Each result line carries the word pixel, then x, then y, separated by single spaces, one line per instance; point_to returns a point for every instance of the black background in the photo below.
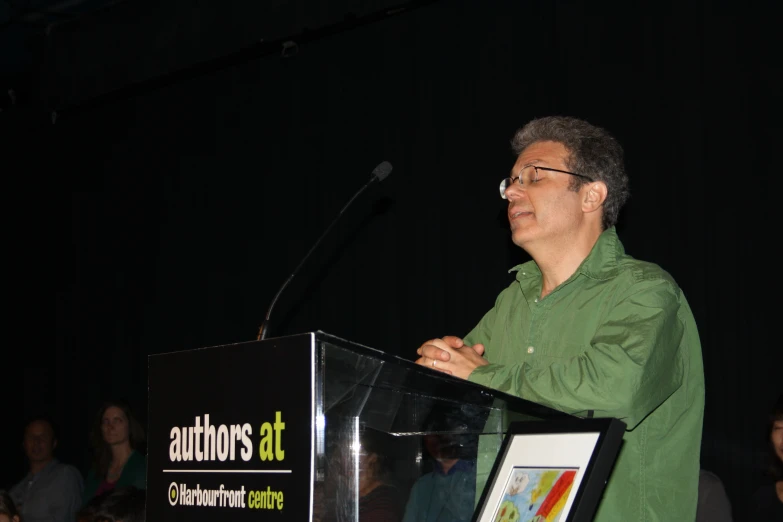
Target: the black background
pixel 165 216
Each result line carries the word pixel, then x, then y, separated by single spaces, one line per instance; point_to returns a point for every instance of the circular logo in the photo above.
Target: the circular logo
pixel 173 494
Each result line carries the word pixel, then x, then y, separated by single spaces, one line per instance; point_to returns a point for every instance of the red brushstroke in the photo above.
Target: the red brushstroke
pixel 557 491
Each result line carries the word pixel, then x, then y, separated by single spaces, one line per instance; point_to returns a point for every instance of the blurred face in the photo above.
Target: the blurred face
pixel 543 206
pixel 114 426
pixel 777 438
pixel 432 444
pixel 441 446
pixel 39 442
pixel 367 472
pixel 6 518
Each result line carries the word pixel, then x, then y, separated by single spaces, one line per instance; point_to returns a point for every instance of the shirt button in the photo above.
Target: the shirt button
pixel 535 300
pixel 530 349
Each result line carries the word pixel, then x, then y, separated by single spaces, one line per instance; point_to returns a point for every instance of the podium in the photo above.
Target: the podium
pixel 298 428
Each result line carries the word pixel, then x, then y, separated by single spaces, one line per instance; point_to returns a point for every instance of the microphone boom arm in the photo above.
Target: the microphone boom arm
pixel 379 173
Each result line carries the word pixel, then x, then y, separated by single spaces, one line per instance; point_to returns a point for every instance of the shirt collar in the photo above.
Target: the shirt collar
pixel 460 465
pixel 44 471
pixel 601 263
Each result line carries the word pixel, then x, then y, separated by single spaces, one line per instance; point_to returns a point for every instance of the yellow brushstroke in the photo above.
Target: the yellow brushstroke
pixel 559 505
pixel 544 485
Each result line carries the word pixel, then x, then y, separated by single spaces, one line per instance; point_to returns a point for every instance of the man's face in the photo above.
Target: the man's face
pixel 777 438
pixel 114 425
pixel 542 207
pixel 441 446
pixel 39 442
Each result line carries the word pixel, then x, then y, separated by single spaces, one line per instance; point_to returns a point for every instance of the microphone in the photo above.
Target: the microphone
pixel 379 173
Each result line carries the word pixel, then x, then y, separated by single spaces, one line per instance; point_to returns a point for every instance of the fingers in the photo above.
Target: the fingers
pixel 440 349
pixel 454 341
pixel 450 355
pixel 436 349
pixel 433 352
pixel 433 363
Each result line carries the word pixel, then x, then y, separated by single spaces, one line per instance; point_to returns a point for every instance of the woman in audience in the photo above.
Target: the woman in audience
pixel 768 500
pixel 379 499
pixel 117 439
pixel 8 512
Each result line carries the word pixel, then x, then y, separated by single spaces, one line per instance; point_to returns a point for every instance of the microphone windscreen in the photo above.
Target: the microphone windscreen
pixel 382 170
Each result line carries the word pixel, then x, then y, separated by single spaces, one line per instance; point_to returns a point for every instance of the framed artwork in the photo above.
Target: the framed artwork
pixel 551 471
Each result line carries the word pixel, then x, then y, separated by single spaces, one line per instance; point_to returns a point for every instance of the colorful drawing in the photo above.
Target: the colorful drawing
pixel 535 494
pixel 508 512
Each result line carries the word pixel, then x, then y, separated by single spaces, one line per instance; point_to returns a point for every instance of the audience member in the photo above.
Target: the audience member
pixel 713 505
pixel 117 438
pixel 51 490
pixel 446 493
pixel 121 504
pixel 379 499
pixel 767 503
pixel 8 512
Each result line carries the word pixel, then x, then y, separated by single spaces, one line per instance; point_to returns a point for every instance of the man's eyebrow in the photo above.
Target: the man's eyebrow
pixel 533 163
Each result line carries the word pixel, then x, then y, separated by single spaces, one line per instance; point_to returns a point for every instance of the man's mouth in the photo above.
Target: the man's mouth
pixel 518 213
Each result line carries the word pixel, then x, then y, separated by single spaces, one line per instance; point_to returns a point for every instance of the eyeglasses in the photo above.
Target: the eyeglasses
pixel 529 175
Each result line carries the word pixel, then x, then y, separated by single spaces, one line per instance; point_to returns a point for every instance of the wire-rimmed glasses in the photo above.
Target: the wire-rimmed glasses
pixel 529 174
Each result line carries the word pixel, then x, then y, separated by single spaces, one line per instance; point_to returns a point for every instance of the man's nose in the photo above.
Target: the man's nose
pixel 515 191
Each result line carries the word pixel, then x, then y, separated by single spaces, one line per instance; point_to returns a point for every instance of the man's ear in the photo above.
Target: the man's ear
pixel 594 196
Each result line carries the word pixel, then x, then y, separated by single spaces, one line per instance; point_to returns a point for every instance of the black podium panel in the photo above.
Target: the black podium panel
pixel 231 432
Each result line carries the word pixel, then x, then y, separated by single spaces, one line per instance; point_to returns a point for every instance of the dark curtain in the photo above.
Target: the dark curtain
pixel 172 214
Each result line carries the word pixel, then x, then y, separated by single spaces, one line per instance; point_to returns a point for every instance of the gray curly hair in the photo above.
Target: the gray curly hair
pixel 592 152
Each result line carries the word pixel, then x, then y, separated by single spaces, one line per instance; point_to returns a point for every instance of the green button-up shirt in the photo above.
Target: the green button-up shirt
pixel 617 339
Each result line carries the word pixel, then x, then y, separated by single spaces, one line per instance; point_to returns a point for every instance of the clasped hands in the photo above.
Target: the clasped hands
pixel 452 356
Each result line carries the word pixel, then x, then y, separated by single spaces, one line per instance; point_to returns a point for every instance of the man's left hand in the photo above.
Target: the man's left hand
pixel 451 355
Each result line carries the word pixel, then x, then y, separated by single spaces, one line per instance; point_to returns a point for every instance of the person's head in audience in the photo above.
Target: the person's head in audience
pixel 114 427
pixel 373 460
pixel 446 440
pixel 8 512
pixel 775 431
pixel 441 445
pixel 39 442
pixel 124 504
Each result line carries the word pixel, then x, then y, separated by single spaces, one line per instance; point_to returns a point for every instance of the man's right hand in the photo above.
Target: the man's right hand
pixel 441 350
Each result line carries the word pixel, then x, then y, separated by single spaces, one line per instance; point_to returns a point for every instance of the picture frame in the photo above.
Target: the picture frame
pixel 551 470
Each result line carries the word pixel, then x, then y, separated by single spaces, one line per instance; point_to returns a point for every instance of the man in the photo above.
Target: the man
pixel 587 329
pixel 445 494
pixel 51 491
pixel 714 504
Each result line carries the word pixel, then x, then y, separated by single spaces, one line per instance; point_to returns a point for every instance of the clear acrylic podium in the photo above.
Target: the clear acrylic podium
pixel 315 427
